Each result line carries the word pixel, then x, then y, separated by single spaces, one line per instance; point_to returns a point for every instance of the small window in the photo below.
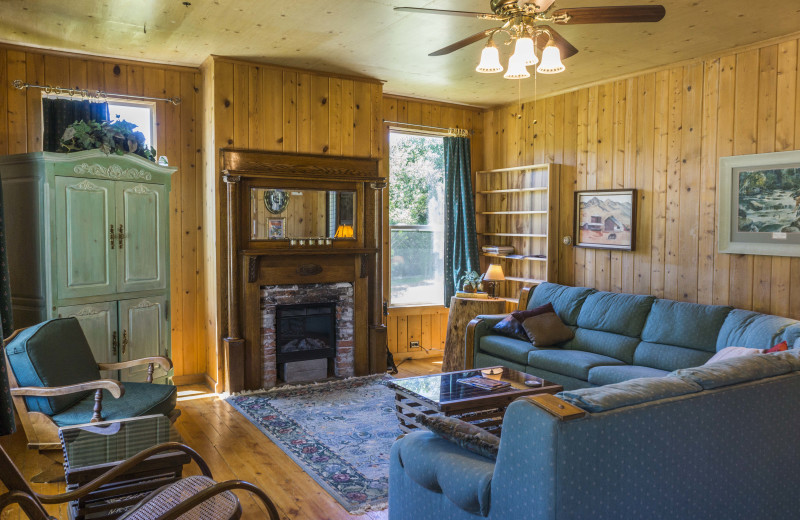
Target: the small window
pixel 143 115
pixel 416 219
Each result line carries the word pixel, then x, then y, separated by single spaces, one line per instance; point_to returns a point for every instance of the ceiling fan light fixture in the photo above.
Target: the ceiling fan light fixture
pixel 516 68
pixel 524 49
pixel 490 60
pixel 551 60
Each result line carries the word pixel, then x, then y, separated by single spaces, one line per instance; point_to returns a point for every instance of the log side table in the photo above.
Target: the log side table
pixel 462 311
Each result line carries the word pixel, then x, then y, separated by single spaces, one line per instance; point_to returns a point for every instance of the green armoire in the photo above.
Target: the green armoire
pixel 88 236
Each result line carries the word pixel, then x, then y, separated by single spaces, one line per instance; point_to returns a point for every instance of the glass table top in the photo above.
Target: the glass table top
pixel 88 445
pixel 445 388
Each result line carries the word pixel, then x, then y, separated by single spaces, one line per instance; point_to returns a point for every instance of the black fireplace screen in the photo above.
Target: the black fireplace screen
pixel 305 331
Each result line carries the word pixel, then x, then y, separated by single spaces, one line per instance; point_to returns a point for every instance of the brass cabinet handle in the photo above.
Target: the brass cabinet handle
pixel 111 235
pixel 114 342
pixel 124 341
pixel 121 235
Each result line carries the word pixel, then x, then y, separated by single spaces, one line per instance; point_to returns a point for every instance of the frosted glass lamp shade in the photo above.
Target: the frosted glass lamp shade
pixel 494 273
pixel 551 60
pixel 524 49
pixel 516 68
pixel 490 60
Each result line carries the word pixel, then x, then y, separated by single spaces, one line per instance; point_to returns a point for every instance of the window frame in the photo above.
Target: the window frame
pixel 152 105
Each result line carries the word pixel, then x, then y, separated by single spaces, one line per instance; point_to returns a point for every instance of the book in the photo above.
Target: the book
pixel 485 383
pixel 476 295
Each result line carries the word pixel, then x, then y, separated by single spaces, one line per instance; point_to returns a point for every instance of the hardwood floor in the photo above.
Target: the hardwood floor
pixel 234 449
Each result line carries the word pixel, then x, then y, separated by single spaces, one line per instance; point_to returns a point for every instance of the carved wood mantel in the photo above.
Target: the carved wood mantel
pixel 251 263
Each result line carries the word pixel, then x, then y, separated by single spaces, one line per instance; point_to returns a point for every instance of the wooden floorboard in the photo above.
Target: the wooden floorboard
pixel 233 448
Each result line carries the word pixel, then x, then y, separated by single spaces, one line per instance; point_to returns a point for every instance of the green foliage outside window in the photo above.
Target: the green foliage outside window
pixel 417 166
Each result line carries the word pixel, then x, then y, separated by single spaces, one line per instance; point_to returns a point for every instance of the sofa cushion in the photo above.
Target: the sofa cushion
pixel 609 375
pixel 442 467
pixel 614 312
pixel 567 301
pixel 735 370
pixel 733 352
pixel 463 434
pixel 573 363
pixel 689 325
pixel 139 399
pixel 791 356
pixel 668 357
pixel 546 330
pixel 627 393
pixel 752 329
pixel 604 343
pixel 53 353
pixel 507 348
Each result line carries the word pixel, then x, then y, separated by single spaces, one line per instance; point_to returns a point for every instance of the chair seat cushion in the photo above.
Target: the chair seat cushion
pixel 573 363
pixel 507 348
pixel 221 506
pixel 139 399
pixel 608 375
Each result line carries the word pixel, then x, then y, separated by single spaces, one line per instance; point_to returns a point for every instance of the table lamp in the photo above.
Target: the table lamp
pixel 494 274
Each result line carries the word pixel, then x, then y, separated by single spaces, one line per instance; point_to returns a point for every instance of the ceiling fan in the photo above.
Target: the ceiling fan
pixel 525 22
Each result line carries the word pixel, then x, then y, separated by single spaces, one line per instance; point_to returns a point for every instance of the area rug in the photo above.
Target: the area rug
pixel 339 432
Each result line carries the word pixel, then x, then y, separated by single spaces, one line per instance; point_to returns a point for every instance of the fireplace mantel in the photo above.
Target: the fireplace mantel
pixel 252 264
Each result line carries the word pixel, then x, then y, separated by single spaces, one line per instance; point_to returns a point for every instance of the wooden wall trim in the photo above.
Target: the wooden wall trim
pixel 272 66
pixel 443 104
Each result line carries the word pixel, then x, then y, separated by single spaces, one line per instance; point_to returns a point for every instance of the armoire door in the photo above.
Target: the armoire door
pixel 142 250
pixel 84 220
pixel 143 330
pixel 99 324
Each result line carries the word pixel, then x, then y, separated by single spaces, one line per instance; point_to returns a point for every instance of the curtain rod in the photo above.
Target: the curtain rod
pixel 84 93
pixel 454 132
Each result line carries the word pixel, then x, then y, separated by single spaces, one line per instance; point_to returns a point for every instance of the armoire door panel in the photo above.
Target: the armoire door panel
pixel 84 219
pixel 141 209
pixel 143 333
pixel 99 324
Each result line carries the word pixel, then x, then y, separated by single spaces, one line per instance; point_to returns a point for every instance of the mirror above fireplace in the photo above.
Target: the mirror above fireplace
pixel 286 213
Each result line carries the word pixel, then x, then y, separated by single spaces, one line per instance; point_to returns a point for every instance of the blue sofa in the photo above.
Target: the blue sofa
pixel 624 336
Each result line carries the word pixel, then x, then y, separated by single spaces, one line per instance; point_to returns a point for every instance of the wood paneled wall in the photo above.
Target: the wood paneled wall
pixel 264 107
pixel 663 133
pixel 427 324
pixel 177 135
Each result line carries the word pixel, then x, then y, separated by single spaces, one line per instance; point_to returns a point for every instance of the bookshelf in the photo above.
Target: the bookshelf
pixel 518 207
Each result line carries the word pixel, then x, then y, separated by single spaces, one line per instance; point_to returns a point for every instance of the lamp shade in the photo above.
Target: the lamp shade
pixel 516 68
pixel 524 49
pixel 344 231
pixel 494 273
pixel 490 60
pixel 551 60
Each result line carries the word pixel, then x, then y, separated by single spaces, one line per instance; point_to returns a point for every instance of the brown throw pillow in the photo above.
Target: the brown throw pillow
pixel 511 325
pixel 546 330
pixel 463 434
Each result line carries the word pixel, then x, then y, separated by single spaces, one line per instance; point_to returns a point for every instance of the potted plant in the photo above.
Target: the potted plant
pixel 118 138
pixel 470 281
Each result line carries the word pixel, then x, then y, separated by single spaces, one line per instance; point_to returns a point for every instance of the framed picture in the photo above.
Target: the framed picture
pixel 605 219
pixel 759 204
pixel 276 201
pixel 275 227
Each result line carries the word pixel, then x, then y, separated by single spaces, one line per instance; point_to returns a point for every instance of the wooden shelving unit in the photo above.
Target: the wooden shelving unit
pixel 515 207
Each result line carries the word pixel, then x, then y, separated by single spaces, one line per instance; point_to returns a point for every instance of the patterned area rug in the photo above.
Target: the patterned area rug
pixel 339 432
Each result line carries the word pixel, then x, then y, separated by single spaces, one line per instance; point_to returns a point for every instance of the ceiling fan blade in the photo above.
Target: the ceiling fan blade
pixel 612 14
pixel 471 14
pixel 566 48
pixel 461 43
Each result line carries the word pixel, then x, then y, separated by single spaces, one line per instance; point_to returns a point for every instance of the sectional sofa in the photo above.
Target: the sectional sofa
pixel 623 336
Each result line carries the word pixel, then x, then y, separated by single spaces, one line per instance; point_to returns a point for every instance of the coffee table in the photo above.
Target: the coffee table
pixel 92 449
pixel 442 393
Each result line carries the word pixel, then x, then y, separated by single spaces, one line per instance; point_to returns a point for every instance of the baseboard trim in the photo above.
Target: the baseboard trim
pixel 189 379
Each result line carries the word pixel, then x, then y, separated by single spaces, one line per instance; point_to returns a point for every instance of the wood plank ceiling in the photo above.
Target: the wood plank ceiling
pixel 369 38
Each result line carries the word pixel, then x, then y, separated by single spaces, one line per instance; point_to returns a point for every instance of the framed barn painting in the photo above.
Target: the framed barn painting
pixel 605 219
pixel 759 204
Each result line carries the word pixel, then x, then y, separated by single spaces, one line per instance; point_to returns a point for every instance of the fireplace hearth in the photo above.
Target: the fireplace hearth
pixel 305 331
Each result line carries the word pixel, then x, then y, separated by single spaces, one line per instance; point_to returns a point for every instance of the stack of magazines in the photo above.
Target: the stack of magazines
pixel 485 383
pixel 498 250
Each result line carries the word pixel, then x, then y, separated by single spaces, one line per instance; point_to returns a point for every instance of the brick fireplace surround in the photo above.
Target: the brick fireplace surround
pixel 340 293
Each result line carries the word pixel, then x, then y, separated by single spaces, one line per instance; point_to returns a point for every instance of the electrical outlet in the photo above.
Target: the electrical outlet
pixel 414 344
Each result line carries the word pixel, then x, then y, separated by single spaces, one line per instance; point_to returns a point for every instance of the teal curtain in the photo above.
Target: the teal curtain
pixel 58 114
pixel 461 242
pixel 6 408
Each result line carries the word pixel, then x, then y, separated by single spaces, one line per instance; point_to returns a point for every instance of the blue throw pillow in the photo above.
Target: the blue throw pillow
pixel 511 325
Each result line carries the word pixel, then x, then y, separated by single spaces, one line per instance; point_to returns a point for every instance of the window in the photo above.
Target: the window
pixel 416 219
pixel 143 115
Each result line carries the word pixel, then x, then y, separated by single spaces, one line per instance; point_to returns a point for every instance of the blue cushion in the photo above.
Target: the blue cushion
pixel 668 357
pixel 605 343
pixel 735 370
pixel 684 324
pixel 52 353
pixel 790 335
pixel 566 301
pixel 569 383
pixel 573 363
pixel 440 466
pixel 627 393
pixel 614 312
pixel 754 330
pixel 507 348
pixel 139 399
pixel 616 374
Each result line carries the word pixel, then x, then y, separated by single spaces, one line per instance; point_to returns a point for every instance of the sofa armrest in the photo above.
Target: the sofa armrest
pixel 477 328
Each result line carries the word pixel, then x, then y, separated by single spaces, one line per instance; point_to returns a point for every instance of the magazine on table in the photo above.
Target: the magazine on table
pixel 485 383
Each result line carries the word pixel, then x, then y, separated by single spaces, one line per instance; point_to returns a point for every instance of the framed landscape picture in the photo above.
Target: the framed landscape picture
pixel 275 227
pixel 605 219
pixel 759 204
